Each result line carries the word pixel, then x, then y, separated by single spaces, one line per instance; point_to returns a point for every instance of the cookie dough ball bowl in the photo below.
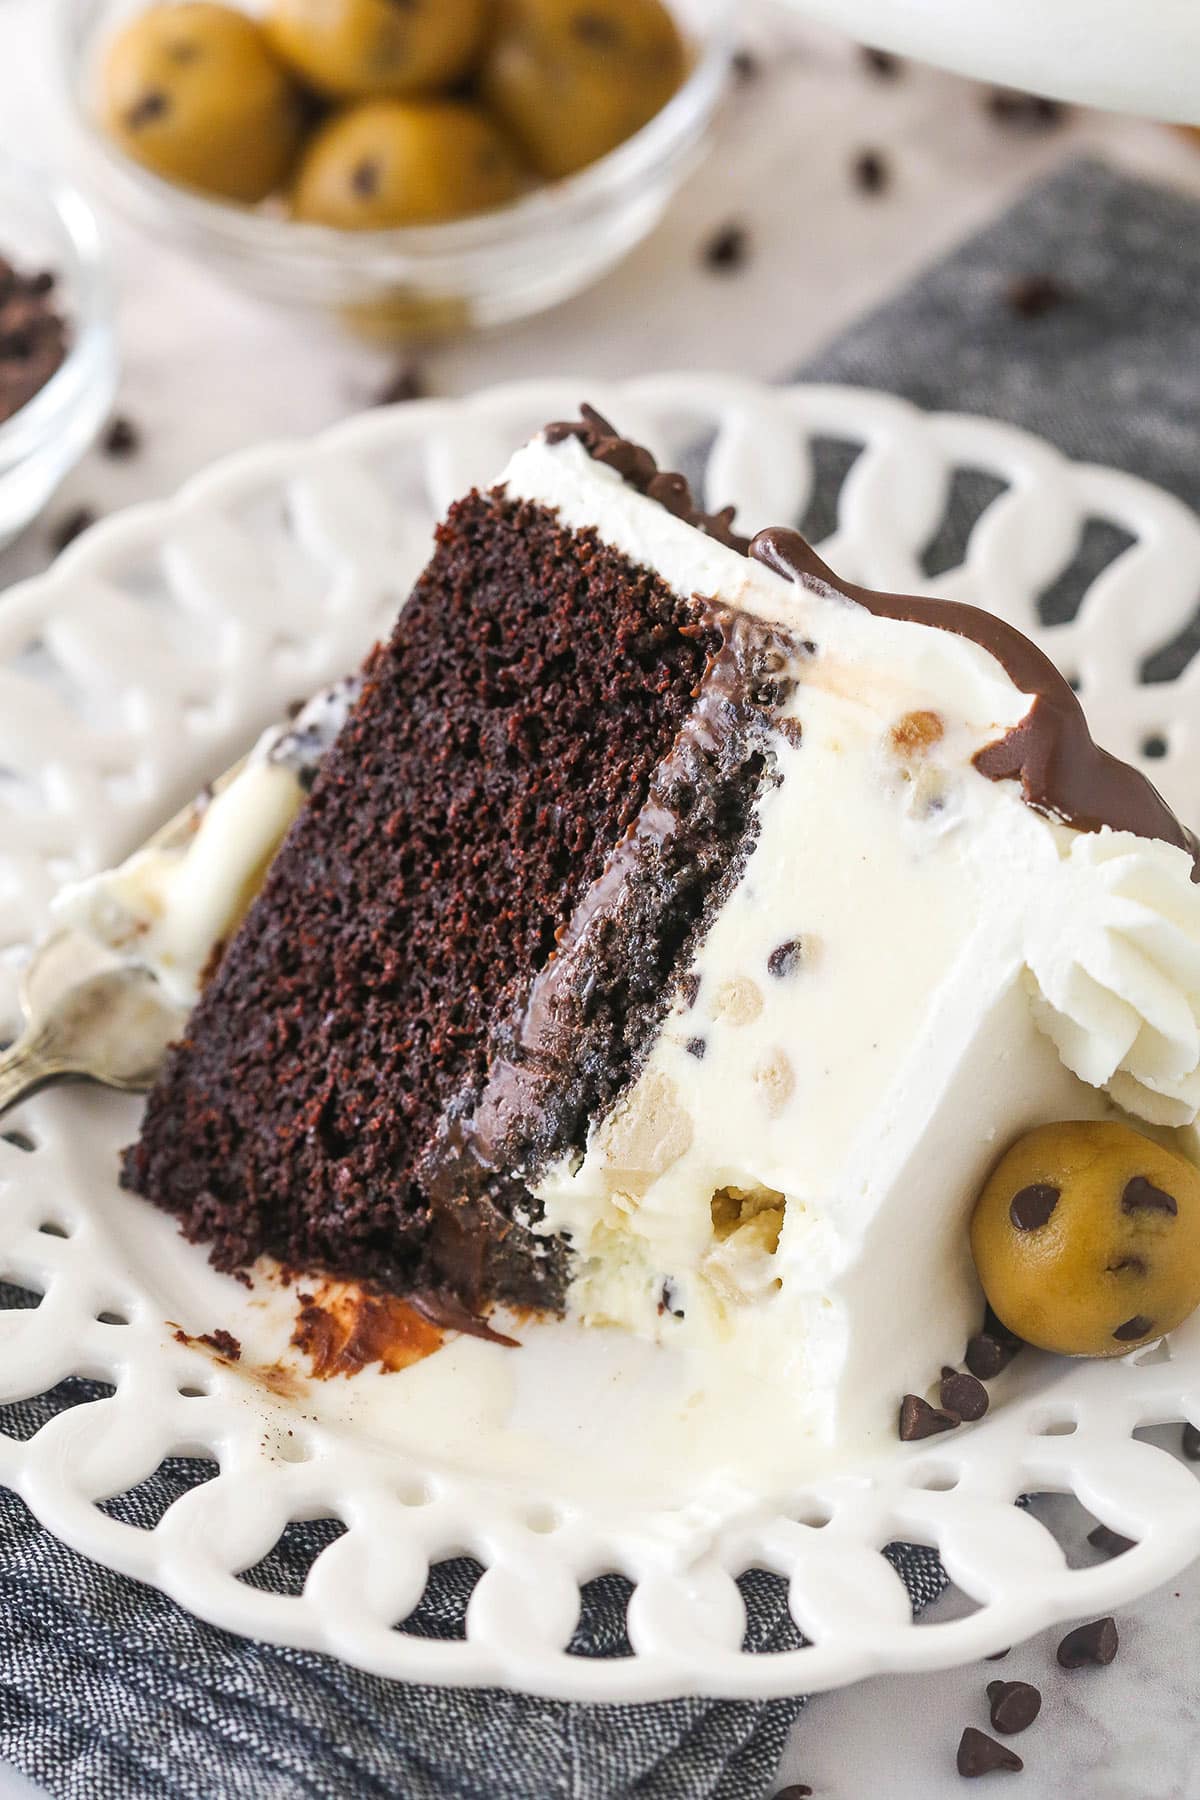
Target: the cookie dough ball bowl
pixel 415 278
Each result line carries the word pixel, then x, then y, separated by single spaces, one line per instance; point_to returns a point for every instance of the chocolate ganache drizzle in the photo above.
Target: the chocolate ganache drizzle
pixel 1062 770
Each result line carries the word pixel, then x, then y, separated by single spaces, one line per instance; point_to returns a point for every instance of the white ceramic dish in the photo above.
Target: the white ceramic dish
pixel 151 655
pixel 1140 57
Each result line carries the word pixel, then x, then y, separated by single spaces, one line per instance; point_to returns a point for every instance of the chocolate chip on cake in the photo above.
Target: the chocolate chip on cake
pixel 1014 1705
pixel 1141 1195
pixel 1091 1646
pixel 979 1754
pixel 1031 1208
pixel 727 249
pixel 962 1394
pixel 920 1420
pixel 786 958
pixel 1110 1542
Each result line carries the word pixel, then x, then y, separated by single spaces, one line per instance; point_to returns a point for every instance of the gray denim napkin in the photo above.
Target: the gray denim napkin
pixel 107 1690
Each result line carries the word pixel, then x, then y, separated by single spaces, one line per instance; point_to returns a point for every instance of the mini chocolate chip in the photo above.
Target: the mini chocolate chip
pixel 1142 1196
pixel 1032 1207
pixel 745 65
pixel 920 1420
pixel 979 1754
pixel 1137 1327
pixel 1089 1646
pixel 154 104
pixel 1128 1265
pixel 1110 1542
pixel 406 384
pixel 696 1047
pixel 364 178
pixel 71 526
pixel 1015 1705
pixel 871 172
pixel 1032 296
pixel 963 1394
pixel 786 958
pixel 1191 1443
pixel 987 1355
pixel 880 62
pixel 121 439
pixel 727 248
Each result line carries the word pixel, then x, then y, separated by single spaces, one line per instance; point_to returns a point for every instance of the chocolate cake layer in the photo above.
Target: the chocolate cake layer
pixel 505 744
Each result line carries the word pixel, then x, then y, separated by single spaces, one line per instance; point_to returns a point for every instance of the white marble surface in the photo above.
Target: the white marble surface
pixel 208 371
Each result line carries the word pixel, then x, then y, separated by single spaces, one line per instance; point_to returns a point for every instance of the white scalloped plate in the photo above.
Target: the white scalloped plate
pixel 145 662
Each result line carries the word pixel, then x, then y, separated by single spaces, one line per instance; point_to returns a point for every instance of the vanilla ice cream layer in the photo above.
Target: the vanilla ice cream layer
pixel 913 968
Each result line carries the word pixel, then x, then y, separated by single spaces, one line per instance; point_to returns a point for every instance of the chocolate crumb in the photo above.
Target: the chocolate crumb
pixel 871 172
pixel 1033 296
pixel 1111 1542
pixel 745 65
pixel 223 1342
pixel 696 1047
pixel 689 988
pixel 1142 1196
pixel 71 526
pixel 1191 1443
pixel 1029 112
pixel 406 384
pixel 122 438
pixel 963 1394
pixel 1033 1205
pixel 979 1754
pixel 786 958
pixel 1090 1646
pixel 920 1420
pixel 727 249
pixel 880 62
pixel 1015 1705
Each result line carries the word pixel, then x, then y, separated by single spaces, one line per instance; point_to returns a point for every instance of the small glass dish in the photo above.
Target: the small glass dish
pixel 426 280
pixel 45 224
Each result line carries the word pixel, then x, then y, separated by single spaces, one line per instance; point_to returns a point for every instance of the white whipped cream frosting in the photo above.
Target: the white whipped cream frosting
pixel 788 1182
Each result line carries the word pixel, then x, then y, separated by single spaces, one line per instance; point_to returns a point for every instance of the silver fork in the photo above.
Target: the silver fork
pixel 89 1017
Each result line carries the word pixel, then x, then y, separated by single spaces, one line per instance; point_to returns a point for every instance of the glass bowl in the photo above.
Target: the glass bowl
pixel 45 224
pixel 480 271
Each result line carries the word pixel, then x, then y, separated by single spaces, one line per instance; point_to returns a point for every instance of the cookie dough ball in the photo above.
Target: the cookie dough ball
pixel 405 162
pixel 572 79
pixel 1087 1238
pixel 193 92
pixel 353 49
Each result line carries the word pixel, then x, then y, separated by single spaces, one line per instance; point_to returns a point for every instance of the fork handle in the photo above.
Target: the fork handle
pixel 24 1068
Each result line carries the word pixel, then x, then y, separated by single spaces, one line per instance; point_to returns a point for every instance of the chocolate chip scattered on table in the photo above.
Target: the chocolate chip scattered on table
pixel 979 1754
pixel 1014 1705
pixel 1091 1646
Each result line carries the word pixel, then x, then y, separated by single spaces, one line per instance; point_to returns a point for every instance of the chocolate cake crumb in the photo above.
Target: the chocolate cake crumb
pixel 122 438
pixel 1190 1444
pixel 979 1754
pixel 964 1395
pixel 920 1420
pixel 1110 1542
pixel 1014 1705
pixel 689 989
pixel 223 1342
pixel 1032 296
pixel 71 526
pixel 871 171
pixel 728 248
pixel 1090 1646
pixel 696 1047
pixel 786 958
